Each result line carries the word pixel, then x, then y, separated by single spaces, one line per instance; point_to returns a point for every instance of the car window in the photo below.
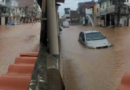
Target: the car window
pixel 82 35
pixel 94 36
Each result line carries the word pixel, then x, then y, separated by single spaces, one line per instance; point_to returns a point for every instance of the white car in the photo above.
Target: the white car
pixel 65 24
pixel 93 39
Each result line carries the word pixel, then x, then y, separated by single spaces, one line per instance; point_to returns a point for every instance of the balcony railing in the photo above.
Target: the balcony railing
pixel 112 9
pixel 108 10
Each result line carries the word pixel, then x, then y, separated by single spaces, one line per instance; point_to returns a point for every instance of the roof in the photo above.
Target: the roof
pixel 90 31
pixel 62 1
pixel 86 4
pixel 90 2
pixel 66 8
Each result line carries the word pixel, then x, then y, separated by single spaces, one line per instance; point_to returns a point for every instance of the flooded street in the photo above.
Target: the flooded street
pixel 122 52
pixel 15 40
pixel 87 69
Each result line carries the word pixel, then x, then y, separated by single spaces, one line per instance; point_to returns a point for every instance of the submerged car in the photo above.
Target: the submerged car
pixel 93 39
pixel 10 24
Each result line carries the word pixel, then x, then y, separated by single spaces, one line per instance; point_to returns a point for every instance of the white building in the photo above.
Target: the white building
pixel 89 11
pixel 67 14
pixel 2 2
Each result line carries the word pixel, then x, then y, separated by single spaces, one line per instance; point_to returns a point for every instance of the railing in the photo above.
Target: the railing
pixel 109 9
pixel 124 11
pixel 112 9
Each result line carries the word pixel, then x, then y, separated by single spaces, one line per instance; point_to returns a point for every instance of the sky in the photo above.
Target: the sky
pixel 72 4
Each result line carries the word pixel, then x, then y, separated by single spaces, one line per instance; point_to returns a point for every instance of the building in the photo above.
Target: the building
pixel 73 17
pixel 4 12
pixel 2 2
pixel 122 12
pixel 85 12
pixel 95 12
pixel 28 8
pixel 14 11
pixel 112 13
pixel 67 14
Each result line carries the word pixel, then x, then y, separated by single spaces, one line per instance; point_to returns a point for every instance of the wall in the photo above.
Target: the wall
pixel 96 21
pixel 97 6
pixel 89 11
pixel 122 20
pixel 105 4
pixel 102 23
pixel 3 2
pixel 2 20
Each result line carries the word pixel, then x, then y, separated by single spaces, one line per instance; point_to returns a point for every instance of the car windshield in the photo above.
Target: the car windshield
pixel 94 36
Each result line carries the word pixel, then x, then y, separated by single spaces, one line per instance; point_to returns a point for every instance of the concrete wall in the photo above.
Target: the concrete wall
pixel 129 22
pixel 123 20
pixel 2 20
pixel 102 23
pixel 89 11
pixel 105 4
pixel 96 9
pixel 96 21
pixel 3 2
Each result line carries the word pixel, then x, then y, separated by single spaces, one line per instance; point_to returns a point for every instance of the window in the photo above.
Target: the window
pixel 94 36
pixel 66 11
pixel 82 35
pixel 67 17
pixel 113 2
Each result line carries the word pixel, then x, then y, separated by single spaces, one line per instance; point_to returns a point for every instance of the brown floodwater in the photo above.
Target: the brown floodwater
pixel 87 69
pixel 15 40
pixel 122 52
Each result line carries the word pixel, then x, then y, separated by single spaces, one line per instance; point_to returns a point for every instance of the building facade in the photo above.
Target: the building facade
pixel 73 17
pixel 67 14
pixel 112 13
pixel 85 12
pixel 4 12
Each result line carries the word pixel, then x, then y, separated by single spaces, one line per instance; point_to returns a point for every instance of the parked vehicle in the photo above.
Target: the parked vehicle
pixel 93 39
pixel 10 24
pixel 66 24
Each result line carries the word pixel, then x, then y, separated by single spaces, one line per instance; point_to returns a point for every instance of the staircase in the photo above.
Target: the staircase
pixel 90 19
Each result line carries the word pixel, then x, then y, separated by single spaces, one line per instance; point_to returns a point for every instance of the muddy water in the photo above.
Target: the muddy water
pixel 122 52
pixel 87 69
pixel 15 40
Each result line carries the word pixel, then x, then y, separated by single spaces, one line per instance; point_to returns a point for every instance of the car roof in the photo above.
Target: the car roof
pixel 90 31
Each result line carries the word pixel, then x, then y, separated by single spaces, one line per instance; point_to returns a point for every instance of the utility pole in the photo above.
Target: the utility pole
pixel 119 12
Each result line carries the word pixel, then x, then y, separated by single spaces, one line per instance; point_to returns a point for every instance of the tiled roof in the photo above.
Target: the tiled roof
pixel 19 74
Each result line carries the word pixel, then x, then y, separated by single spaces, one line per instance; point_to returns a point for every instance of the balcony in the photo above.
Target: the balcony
pixel 108 10
pixel 99 1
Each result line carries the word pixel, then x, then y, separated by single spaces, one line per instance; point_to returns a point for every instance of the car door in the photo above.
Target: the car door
pixel 80 37
pixel 83 38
